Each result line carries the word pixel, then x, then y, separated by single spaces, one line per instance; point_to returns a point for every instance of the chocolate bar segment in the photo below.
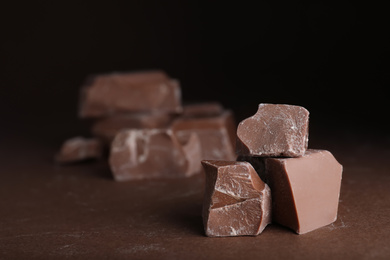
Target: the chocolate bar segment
pixel 110 94
pixel 236 202
pixel 216 134
pixel 275 130
pixel 79 149
pixel 150 153
pixel 305 190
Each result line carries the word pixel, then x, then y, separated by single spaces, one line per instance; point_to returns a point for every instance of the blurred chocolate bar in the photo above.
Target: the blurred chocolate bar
pixel 139 117
pixel 148 91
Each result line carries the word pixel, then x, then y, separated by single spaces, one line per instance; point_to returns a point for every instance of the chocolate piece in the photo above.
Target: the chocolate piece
pixel 275 130
pixel 305 190
pixel 107 128
pixel 106 95
pixel 202 110
pixel 79 149
pixel 216 134
pixel 236 202
pixel 149 153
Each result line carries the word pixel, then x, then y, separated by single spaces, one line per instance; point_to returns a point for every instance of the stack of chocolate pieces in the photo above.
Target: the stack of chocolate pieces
pixel 275 179
pixel 139 116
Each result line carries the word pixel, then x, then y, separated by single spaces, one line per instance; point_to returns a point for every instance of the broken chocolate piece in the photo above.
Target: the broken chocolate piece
pixel 202 110
pixel 216 134
pixel 79 149
pixel 107 128
pixel 237 202
pixel 305 190
pixel 106 95
pixel 275 130
pixel 149 153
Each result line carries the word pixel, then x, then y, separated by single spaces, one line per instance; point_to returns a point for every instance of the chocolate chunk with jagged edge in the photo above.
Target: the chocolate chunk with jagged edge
pixel 115 93
pixel 305 190
pixel 79 149
pixel 236 202
pixel 275 130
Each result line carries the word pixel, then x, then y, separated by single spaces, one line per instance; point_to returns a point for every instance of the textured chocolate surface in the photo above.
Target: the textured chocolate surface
pixel 79 149
pixel 236 201
pixel 106 95
pixel 305 190
pixel 275 130
pixel 149 153
pixel 216 134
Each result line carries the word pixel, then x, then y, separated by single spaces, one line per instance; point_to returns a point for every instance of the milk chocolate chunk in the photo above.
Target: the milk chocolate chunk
pixel 236 202
pixel 305 190
pixel 106 95
pixel 147 154
pixel 216 134
pixel 79 149
pixel 107 128
pixel 275 130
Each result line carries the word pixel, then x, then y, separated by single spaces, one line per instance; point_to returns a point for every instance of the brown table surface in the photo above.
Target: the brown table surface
pixel 78 211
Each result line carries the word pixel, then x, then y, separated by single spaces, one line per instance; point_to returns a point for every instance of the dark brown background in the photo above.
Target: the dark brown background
pixel 332 59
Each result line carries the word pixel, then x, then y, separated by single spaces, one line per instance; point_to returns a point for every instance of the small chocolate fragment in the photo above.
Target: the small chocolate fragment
pixel 236 202
pixel 305 190
pixel 110 94
pixel 216 134
pixel 107 128
pixel 79 149
pixel 202 110
pixel 275 130
pixel 149 153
